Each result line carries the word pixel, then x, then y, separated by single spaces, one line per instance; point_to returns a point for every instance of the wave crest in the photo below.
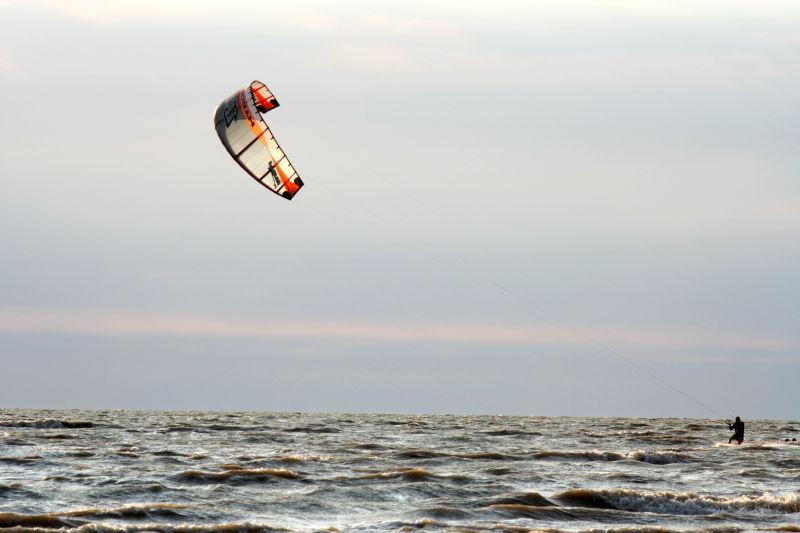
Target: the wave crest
pixel 677 503
pixel 652 457
pixel 235 473
pixel 46 423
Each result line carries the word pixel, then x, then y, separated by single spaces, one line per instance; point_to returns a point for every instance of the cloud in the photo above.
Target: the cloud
pixel 104 323
pixel 125 323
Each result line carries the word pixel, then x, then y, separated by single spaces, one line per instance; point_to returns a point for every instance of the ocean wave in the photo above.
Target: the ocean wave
pixel 665 457
pixel 28 459
pixel 786 463
pixel 9 487
pixel 81 453
pixel 415 453
pixel 245 459
pixel 592 455
pixel 652 529
pixel 427 524
pixel 442 513
pixel 502 471
pixel 16 489
pixel 182 428
pixel 652 457
pixel 47 523
pixel 368 446
pixel 412 423
pixel 126 453
pixel 46 423
pixel 234 427
pixel 312 430
pixel 302 458
pixel 510 432
pixel 167 453
pixel 555 513
pixel 58 436
pixel 137 510
pixel 637 424
pixel 523 498
pixel 491 456
pixel 758 446
pixel 752 445
pixel 406 474
pixel 234 473
pixel 677 503
pixel 628 477
pixel 18 442
pixel 756 473
pixel 530 511
pixel 673 439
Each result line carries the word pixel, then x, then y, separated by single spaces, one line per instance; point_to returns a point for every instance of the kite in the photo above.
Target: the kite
pixel 244 133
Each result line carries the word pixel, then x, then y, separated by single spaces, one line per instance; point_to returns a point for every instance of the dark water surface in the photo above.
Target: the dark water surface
pixel 207 471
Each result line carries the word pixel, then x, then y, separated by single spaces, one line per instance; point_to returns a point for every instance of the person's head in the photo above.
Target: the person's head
pixel 738 419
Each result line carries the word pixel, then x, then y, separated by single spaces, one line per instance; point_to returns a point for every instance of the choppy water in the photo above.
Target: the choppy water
pixel 204 471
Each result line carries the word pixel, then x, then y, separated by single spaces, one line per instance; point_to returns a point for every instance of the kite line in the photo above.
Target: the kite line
pixel 566 325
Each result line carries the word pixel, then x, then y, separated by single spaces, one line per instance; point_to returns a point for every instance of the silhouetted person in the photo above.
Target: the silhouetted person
pixel 738 431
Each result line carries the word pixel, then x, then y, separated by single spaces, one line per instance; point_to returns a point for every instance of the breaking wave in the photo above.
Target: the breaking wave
pixel 408 474
pixel 676 503
pixel 656 458
pixel 204 472
pixel 140 510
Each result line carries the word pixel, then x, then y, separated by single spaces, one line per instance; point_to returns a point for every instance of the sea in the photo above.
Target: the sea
pixel 301 472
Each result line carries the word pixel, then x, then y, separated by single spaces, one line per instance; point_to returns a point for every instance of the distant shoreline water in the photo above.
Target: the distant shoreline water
pixel 228 471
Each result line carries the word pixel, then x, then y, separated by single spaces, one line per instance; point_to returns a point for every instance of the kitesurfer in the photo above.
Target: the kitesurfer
pixel 738 431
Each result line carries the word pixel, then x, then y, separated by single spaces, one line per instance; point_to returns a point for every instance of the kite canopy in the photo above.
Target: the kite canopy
pixel 243 132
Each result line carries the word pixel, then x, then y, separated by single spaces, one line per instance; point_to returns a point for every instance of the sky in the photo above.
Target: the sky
pixel 524 208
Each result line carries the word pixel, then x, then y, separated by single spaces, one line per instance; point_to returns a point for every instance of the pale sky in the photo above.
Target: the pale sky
pixel 629 168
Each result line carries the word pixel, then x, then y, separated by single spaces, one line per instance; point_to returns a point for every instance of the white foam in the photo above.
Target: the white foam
pixel 688 503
